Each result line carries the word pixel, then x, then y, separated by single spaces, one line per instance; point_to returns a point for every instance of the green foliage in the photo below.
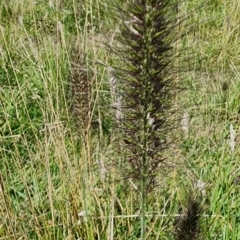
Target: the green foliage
pixel 48 174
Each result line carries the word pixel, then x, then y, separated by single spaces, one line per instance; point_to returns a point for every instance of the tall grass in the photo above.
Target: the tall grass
pixel 52 184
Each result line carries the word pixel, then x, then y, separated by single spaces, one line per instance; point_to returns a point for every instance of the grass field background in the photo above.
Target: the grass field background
pixel 57 181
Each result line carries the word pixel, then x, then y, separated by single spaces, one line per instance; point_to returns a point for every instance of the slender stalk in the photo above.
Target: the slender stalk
pixel 143 208
pixel 146 98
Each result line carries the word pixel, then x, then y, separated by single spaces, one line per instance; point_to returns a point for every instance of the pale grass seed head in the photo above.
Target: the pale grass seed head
pixel 232 138
pixel 185 124
pixel 200 186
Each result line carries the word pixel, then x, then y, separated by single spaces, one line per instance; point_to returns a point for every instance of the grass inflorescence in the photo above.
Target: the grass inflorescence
pixel 145 76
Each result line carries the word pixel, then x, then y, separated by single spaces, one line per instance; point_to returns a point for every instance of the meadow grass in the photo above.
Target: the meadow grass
pixel 56 183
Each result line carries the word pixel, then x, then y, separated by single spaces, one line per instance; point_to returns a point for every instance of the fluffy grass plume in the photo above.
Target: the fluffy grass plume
pixel 146 84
